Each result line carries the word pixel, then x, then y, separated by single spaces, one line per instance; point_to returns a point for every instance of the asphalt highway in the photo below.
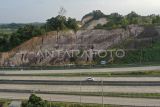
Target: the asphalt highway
pixel 122 69
pixel 108 83
pixel 79 78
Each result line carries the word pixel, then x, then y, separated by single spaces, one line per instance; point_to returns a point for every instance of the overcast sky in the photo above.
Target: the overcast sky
pixel 24 11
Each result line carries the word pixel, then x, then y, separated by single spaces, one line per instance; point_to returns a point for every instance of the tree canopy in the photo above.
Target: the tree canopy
pixel 9 41
pixel 61 23
pixel 35 101
pixel 116 20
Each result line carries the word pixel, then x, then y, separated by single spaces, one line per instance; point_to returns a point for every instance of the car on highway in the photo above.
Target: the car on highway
pixel 90 79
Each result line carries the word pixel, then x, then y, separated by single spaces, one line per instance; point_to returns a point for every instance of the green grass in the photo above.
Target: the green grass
pixel 96 74
pixel 106 94
pixel 4 102
pixel 64 104
pixel 72 104
pixel 114 94
pixel 114 74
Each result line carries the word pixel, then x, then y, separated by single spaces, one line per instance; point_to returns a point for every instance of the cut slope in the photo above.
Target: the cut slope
pixel 84 39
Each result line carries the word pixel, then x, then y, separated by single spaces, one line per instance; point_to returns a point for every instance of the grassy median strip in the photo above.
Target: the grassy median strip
pixel 66 104
pixel 96 74
pixel 106 74
pixel 113 94
pixel 72 104
pixel 105 94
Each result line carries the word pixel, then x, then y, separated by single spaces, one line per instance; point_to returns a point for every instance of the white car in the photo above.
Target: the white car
pixel 90 79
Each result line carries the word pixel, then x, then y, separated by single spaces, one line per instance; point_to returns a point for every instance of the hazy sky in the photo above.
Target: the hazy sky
pixel 23 11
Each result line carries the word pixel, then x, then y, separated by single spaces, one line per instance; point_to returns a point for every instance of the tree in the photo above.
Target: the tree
pixel 28 32
pixel 116 17
pixel 35 101
pixel 57 23
pixel 156 20
pixel 9 41
pixel 60 23
pixel 124 22
pixel 72 24
pixel 97 14
pixel 133 18
pixel 132 15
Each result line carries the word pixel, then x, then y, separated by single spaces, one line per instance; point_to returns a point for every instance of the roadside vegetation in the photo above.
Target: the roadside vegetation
pixel 109 94
pixel 114 74
pixel 35 101
pixel 4 103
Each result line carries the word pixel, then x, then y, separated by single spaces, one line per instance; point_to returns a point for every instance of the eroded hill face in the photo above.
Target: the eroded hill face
pixel 91 24
pixel 91 20
pixel 40 50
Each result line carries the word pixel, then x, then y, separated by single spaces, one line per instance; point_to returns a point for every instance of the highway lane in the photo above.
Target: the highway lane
pixel 75 88
pixel 125 69
pixel 88 99
pixel 79 78
pixel 108 83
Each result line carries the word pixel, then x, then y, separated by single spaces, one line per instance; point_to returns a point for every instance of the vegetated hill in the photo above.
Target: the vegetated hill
pixel 99 20
pixel 33 52
pixel 99 31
